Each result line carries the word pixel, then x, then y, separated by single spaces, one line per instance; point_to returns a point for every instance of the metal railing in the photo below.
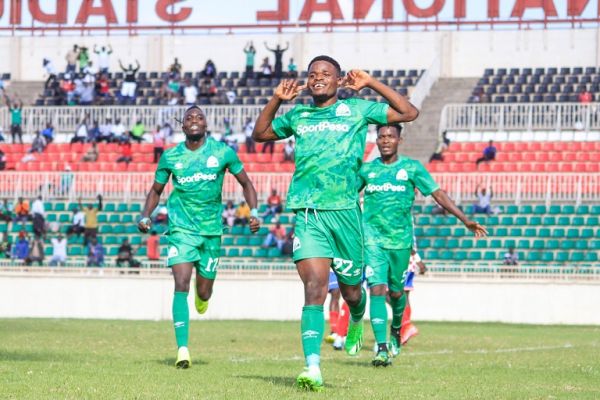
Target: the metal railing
pixel 127 187
pixel 521 117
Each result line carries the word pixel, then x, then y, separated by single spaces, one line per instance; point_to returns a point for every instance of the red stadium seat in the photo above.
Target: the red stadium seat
pixel 263 157
pixel 565 167
pixel 569 156
pixel 592 167
pixel 554 157
pixel 509 147
pixel 534 146
pixel 469 146
pixel 541 156
pixel 550 167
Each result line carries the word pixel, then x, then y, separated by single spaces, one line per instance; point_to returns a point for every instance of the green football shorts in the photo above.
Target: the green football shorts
pixel 202 251
pixel 335 234
pixel 386 267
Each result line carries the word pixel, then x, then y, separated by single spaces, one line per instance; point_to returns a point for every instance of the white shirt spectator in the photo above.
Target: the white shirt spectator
pixel 59 249
pixel 105 129
pixel 485 200
pixel 82 131
pixel 79 218
pixel 248 128
pixel 103 59
pixel 37 207
pixel 190 93
pixel 288 149
pixel 118 130
pixel 49 67
pixel 231 96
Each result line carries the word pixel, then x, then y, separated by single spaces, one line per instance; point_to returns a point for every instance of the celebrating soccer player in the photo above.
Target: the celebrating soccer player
pixel 197 167
pixel 330 142
pixel 389 183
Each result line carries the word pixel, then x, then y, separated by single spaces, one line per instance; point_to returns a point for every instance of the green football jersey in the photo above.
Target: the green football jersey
pixel 195 204
pixel 330 145
pixel 389 197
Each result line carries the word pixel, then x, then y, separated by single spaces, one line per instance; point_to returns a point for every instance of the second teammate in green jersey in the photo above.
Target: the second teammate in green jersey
pixel 330 139
pixel 389 184
pixel 197 168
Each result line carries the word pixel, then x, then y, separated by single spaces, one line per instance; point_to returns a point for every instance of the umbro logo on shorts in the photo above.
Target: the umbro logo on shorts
pixel 296 244
pixel 212 162
pixel 342 111
pixel 369 271
pixel 173 252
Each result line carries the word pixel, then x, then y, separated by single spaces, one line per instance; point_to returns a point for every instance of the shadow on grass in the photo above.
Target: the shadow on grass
pixel 285 381
pixel 32 356
pixel 354 362
pixel 170 362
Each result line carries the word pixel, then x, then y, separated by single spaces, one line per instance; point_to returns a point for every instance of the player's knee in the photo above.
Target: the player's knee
pixel 378 290
pixel 205 293
pixel 315 293
pixel 352 296
pixel 182 286
pixel 396 295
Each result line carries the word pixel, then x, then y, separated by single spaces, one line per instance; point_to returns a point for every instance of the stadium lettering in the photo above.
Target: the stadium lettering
pixel 321 127
pixel 165 15
pixel 386 187
pixel 197 177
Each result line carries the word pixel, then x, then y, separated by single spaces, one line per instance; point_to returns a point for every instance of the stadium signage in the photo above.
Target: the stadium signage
pixel 157 14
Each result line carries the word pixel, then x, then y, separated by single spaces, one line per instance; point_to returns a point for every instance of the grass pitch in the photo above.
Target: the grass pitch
pixel 91 359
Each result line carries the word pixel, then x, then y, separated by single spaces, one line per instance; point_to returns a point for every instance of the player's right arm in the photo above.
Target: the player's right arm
pixel 446 202
pixel 152 200
pixel 287 90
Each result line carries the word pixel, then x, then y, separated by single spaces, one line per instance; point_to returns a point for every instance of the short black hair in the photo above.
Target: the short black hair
pixel 192 107
pixel 329 60
pixel 397 126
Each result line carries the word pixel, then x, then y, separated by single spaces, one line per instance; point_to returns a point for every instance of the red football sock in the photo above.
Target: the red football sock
pixel 405 319
pixel 333 321
pixel 342 325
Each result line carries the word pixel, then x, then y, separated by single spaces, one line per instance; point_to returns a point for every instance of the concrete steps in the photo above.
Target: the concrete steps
pixel 27 91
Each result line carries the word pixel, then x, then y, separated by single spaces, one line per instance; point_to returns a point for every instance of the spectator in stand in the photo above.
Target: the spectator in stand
pixel 288 246
pixel 161 216
pixel 66 179
pixel 124 254
pixel 175 68
pixel 137 131
pixel 586 96
pixel 22 210
pixel 16 118
pixel 250 53
pixel 106 131
pixel 71 57
pixel 77 223
pixel 39 143
pixel 87 95
pixel 441 148
pixel 67 90
pixel 265 69
pixel 5 246
pixel 36 251
pixel 171 90
pixel 2 135
pixel 292 69
pixel 484 200
pixel 92 154
pixel 190 93
pixel 2 161
pixel 20 250
pixel 103 58
pixel 489 153
pixel 48 133
pixel 6 211
pixel 89 73
pixel 268 145
pixel 81 134
pixel 167 132
pixel 95 254
pixel 210 70
pixel 273 205
pixel 242 214
pixel 208 88
pixel 38 213
pixel 119 132
pixel 153 246
pixel 94 134
pixel 511 258
pixel 78 82
pixel 83 57
pixel 129 86
pixel 50 71
pixel 228 214
pixel 288 151
pixel 278 53
pixel 248 128
pixel 103 88
pixel 276 237
pixel 126 153
pixel 59 251
pixel 159 143
pixel 91 220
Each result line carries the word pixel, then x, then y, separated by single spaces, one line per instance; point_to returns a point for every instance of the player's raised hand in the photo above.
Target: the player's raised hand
pixel 254 224
pixel 288 89
pixel 478 229
pixel 357 79
pixel 144 225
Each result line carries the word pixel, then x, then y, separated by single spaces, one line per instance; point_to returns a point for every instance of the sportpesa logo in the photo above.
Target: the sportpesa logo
pixel 386 187
pixel 197 177
pixel 321 127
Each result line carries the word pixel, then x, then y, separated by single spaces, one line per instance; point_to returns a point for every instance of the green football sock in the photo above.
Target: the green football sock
pixel 379 318
pixel 312 327
pixel 358 311
pixel 181 318
pixel 398 306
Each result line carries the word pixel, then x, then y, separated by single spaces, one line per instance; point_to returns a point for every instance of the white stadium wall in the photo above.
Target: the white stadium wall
pixel 435 299
pixel 463 53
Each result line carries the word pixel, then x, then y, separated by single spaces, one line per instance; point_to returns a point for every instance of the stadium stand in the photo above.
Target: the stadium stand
pixel 536 85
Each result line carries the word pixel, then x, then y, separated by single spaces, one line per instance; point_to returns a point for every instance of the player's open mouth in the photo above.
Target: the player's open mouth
pixel 318 86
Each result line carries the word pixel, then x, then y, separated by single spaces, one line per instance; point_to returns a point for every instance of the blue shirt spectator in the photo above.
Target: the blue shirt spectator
pixel 21 248
pixel 489 153
pixel 48 133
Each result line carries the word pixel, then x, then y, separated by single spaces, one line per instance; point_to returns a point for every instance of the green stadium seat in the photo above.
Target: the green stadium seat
pixel 592 221
pixel 431 255
pixel 73 206
pixel 594 244
pixel 490 256
pixel 451 243
pixel 587 233
pixel 122 207
pixel 59 207
pixel 274 252
pixel 118 229
pixel 481 220
pixel 233 252
pixel 135 207
pixel 255 241
pixel 474 255
pixel 262 231
pixel 508 243
pixel 567 244
pixel 127 219
pixel 550 221
pixel 102 218
pixel 113 251
pixel 136 240
pixel 547 256
pixel 431 231
pixel 591 256
pixel 3 228
pixel 506 221
pixel 512 209
pixel 535 220
pixel 50 217
pixel 544 232
pixel 562 256
pixel 64 218
pixel 516 232
pixel 521 221
pixel 558 233
pixel 423 220
pixel 446 255
pixel 501 232
pixel 261 253
pixel 481 244
pixel 526 209
pixel 495 244
pixel 423 243
pixel 437 220
pixel 239 230
pixel 595 209
pixel 459 231
pixel 583 209
pixel 223 252
pixel 247 252
pixel 464 244
pixel 48 251
pixel 563 221
pixel 581 245
pixel 131 229
pixel 577 256
pixel 523 244
pixel 109 207
pixel 539 209
pixel 47 206
pixel 552 244
pixel 227 241
pixel 114 219
pixel 74 251
pixel 439 243
pixel 530 232
pixel 555 209
pixel 533 256
pixel 427 210
pixel 242 241
pixel 417 209
pixel 111 240
pixel 102 229
pixel 538 244
pixel 246 231
pixel 568 209
pixel 445 231
pixel 419 231
pixel 75 240
pixel 577 221
pixel 493 221
pixel 141 252
pixel 572 233
pixel 460 255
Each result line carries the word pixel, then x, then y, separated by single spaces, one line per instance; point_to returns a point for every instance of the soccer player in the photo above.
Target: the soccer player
pixel 408 329
pixel 389 183
pixel 197 167
pixel 330 142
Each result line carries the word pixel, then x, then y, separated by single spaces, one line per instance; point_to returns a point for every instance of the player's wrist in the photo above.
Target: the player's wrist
pixel 254 213
pixel 145 220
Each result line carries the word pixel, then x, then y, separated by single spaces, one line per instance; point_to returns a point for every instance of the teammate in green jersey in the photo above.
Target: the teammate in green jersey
pixel 389 183
pixel 197 167
pixel 330 143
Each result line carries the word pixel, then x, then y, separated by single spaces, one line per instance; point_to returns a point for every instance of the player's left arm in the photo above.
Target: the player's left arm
pixel 251 198
pixel 446 202
pixel 400 109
